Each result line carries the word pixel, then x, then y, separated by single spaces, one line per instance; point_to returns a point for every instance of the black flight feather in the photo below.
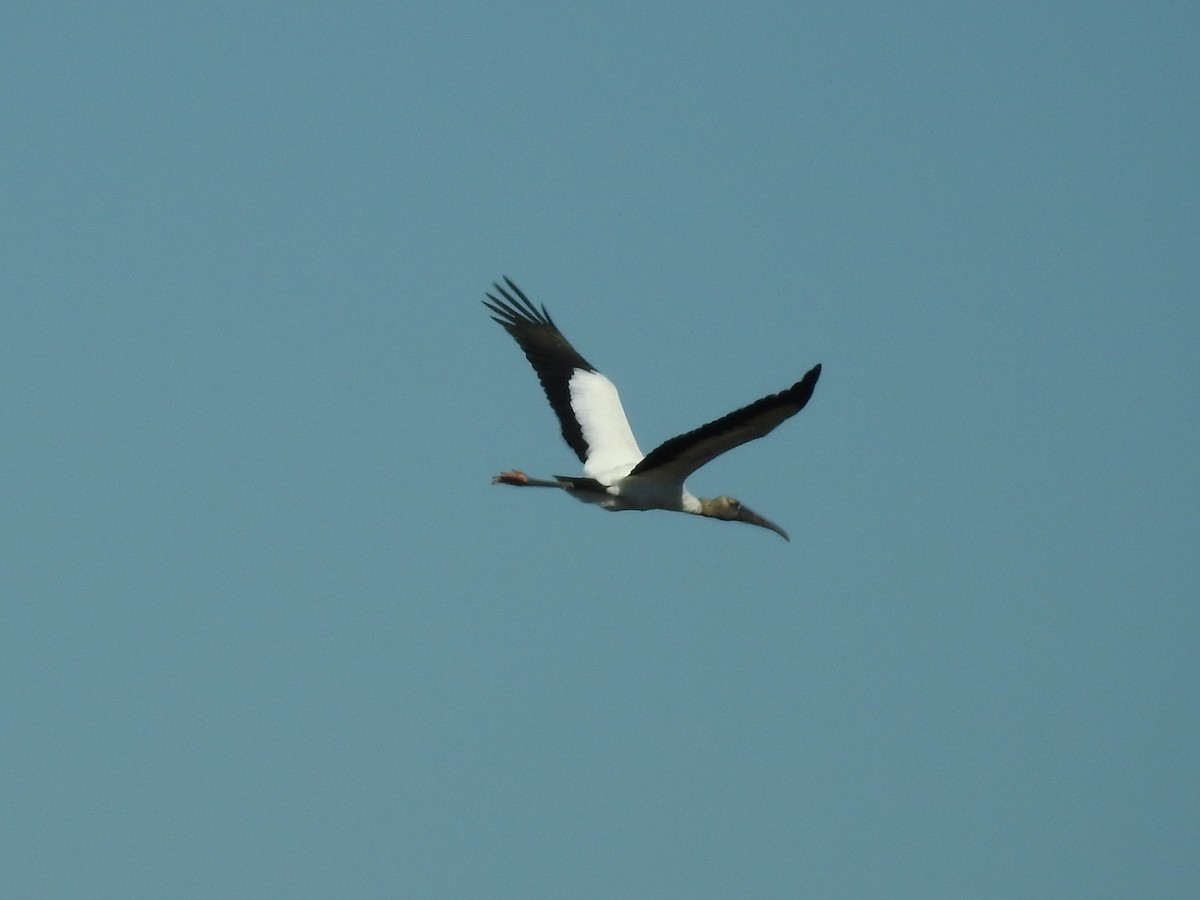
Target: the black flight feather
pixel 550 354
pixel 688 452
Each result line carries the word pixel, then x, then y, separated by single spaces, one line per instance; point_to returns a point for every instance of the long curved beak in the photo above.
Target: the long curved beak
pixel 755 519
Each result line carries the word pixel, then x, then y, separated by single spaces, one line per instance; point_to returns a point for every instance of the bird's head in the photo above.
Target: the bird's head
pixel 732 510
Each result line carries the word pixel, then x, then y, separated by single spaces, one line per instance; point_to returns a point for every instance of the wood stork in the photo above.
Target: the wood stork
pixel 617 475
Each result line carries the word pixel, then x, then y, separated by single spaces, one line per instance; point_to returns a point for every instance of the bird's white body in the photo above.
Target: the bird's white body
pixel 617 475
pixel 613 452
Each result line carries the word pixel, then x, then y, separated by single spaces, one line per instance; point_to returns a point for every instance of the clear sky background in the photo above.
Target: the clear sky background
pixel 268 631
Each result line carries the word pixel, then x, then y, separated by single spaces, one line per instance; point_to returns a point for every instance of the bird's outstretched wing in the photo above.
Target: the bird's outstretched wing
pixel 586 403
pixel 682 455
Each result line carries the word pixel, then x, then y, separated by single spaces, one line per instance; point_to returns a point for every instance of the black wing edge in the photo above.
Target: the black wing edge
pixel 796 396
pixel 513 312
pixel 550 354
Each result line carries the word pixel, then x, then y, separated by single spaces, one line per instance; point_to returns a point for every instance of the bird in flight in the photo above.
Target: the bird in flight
pixel 616 474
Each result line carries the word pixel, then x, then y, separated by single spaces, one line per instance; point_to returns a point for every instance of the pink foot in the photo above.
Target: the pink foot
pixel 513 477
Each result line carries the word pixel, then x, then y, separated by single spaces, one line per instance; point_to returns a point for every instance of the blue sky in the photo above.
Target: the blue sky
pixel 267 629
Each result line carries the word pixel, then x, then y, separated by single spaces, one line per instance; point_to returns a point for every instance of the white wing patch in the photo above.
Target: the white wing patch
pixel 612 448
